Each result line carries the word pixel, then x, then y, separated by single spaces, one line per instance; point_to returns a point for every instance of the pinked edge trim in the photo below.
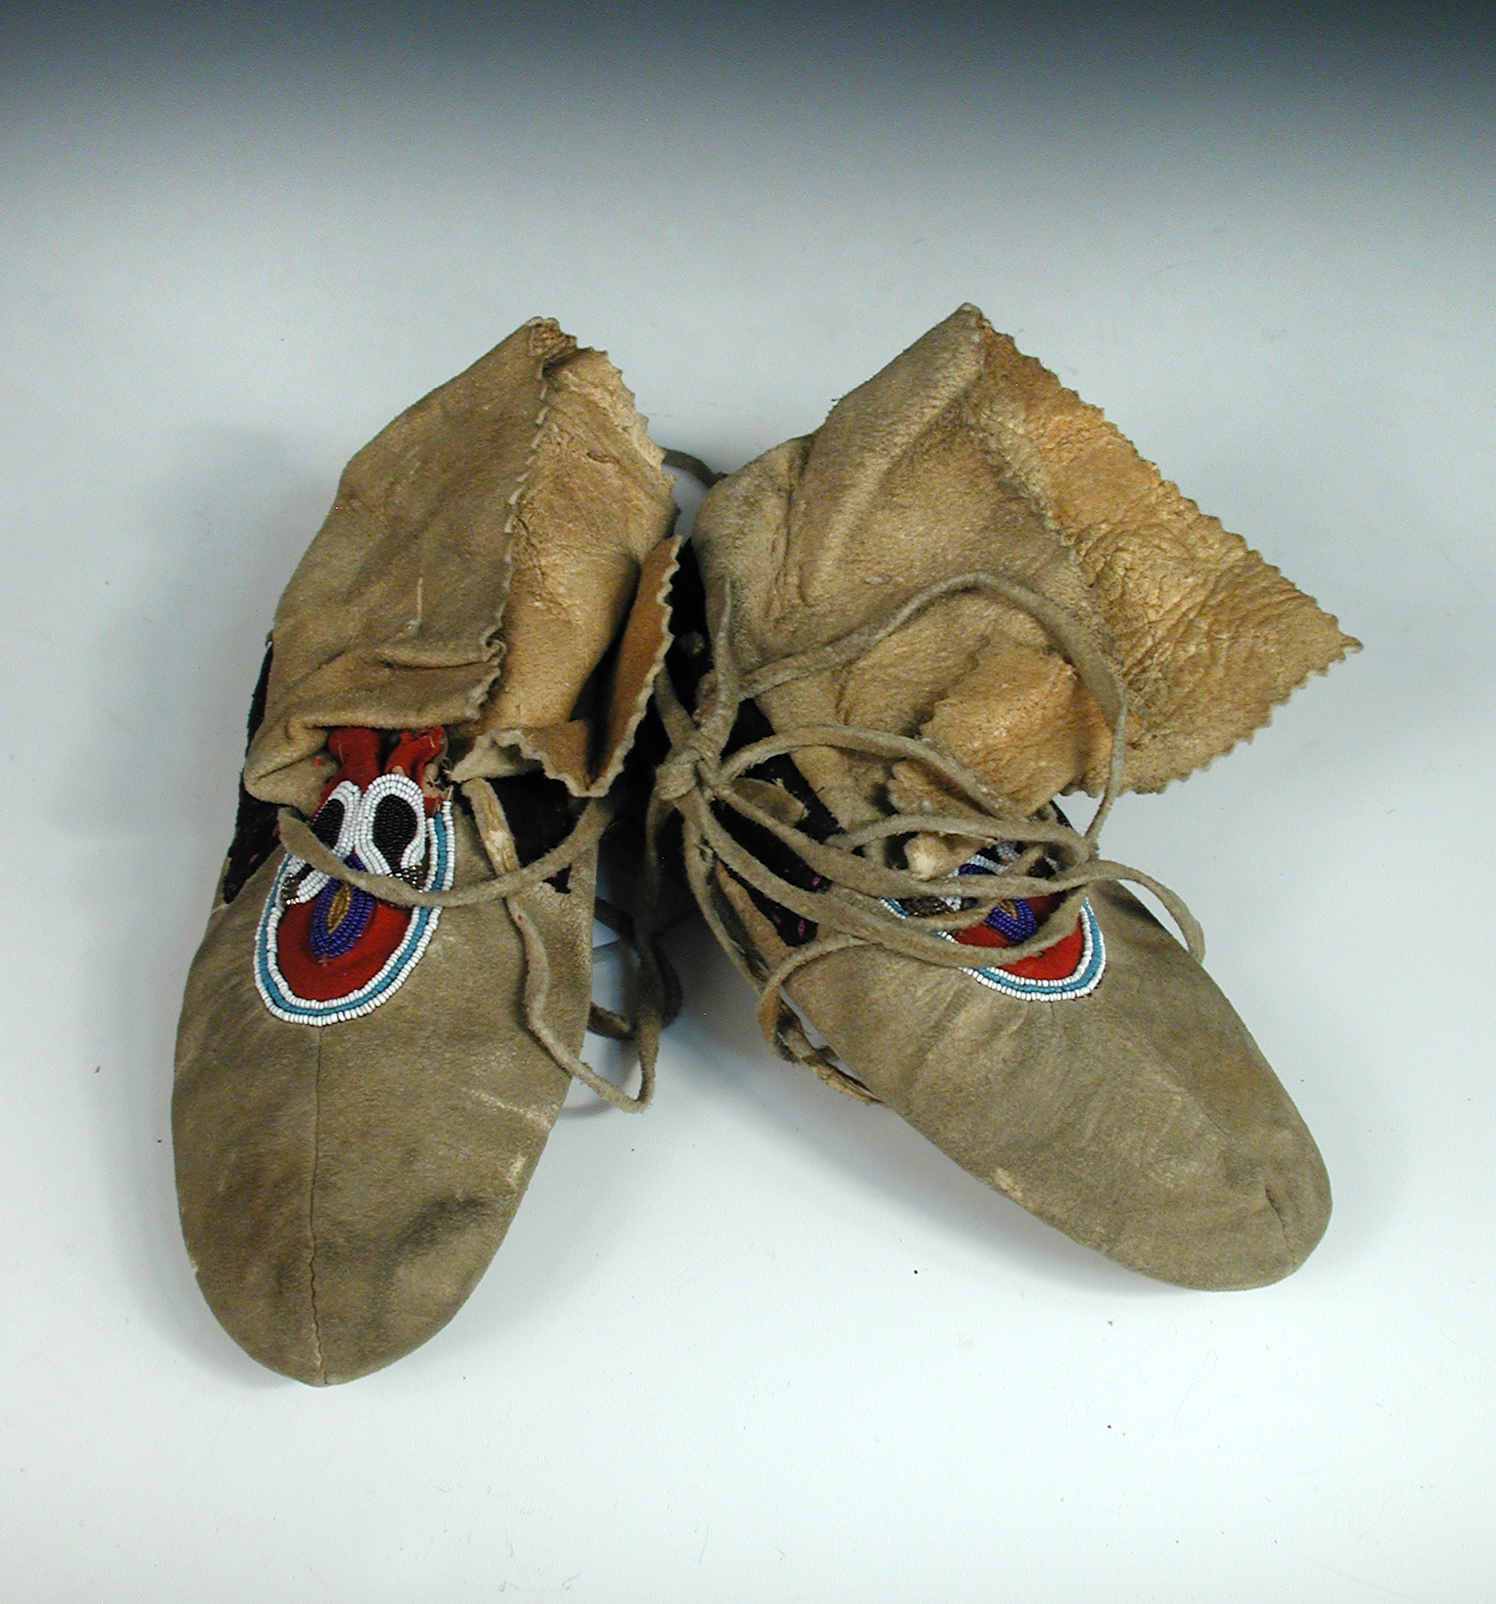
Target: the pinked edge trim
pixel 283 1002
pixel 1081 982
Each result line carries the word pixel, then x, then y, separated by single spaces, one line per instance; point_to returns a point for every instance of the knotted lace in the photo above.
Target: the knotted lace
pixel 510 887
pixel 851 907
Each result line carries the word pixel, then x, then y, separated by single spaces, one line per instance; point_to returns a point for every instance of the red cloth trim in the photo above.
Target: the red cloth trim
pixel 357 752
pixel 327 979
pixel 1058 962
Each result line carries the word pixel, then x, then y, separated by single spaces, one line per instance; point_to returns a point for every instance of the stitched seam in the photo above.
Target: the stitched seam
pixel 493 638
pixel 491 642
pixel 311 1263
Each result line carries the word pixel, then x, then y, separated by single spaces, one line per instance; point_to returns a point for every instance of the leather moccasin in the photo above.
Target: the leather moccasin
pixel 962 596
pixel 386 1011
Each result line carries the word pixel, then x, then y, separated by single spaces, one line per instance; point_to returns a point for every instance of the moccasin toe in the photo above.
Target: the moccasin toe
pixel 343 1188
pixel 1220 1183
pixel 1139 1118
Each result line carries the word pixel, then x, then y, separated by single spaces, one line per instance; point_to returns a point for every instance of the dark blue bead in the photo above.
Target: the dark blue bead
pixel 334 943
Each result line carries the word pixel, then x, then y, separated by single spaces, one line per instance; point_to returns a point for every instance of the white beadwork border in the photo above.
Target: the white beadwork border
pixel 283 1002
pixel 1080 982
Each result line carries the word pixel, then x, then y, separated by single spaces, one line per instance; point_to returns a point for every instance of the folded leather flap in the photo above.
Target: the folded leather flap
pixel 476 566
pixel 1208 636
pixel 587 753
pixel 963 456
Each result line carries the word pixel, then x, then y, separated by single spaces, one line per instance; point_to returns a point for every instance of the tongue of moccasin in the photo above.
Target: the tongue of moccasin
pixel 964 456
pixel 482 557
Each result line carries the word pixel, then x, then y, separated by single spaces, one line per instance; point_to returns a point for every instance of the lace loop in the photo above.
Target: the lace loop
pixel 297 837
pixel 696 781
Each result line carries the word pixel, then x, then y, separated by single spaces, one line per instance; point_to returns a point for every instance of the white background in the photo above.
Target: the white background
pixel 761 1343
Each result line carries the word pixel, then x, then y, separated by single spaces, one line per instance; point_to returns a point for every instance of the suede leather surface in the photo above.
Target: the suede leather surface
pixel 528 479
pixel 1141 1119
pixel 343 1188
pixel 962 455
pixel 497 562
pixel 586 751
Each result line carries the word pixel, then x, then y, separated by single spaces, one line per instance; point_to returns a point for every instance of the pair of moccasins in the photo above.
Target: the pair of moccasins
pixel 841 717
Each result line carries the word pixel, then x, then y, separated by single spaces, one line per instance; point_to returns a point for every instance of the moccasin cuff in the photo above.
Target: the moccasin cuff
pixel 963 456
pixel 478 561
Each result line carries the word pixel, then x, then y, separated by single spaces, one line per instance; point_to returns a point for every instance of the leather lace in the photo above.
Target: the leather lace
pixel 510 887
pixel 851 909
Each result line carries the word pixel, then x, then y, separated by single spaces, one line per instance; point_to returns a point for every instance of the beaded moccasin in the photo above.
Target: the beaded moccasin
pixel 965 594
pixel 388 1006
